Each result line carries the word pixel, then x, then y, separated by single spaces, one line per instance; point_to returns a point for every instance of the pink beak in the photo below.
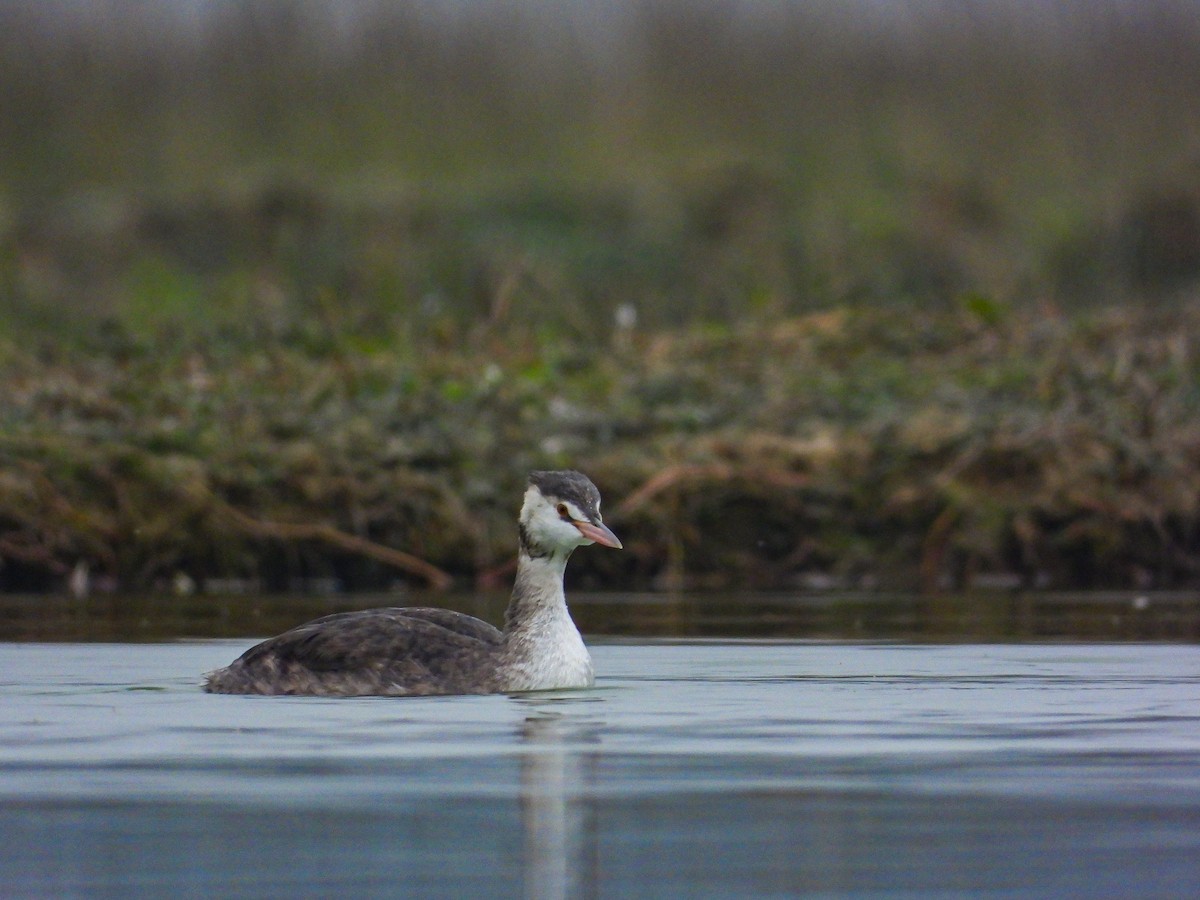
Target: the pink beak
pixel 598 533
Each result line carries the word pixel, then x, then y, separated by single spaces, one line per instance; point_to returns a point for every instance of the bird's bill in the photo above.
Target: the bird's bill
pixel 600 533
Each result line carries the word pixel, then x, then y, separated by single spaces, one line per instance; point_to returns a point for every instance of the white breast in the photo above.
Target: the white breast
pixel 546 652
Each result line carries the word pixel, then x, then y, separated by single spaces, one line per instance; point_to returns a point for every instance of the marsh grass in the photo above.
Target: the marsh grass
pixel 288 295
pixel 1051 449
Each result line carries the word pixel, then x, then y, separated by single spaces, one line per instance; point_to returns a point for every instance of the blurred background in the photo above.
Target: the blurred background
pixel 868 293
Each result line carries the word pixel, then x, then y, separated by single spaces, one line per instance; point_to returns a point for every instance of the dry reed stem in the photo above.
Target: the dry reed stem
pixel 290 531
pixel 688 473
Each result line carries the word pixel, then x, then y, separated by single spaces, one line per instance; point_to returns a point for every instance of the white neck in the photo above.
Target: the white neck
pixel 542 646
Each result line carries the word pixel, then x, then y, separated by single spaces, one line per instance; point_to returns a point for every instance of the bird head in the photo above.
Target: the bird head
pixel 562 512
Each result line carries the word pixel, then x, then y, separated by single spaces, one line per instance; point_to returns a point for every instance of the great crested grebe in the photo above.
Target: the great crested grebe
pixel 419 650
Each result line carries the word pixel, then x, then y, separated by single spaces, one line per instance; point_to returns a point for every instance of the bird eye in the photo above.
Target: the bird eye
pixel 562 511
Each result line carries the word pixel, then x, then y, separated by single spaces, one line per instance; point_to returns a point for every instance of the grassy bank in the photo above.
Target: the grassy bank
pixel 903 297
pixel 852 446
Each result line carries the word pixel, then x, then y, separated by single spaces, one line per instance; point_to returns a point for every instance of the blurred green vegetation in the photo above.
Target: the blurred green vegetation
pixel 893 294
pixel 860 447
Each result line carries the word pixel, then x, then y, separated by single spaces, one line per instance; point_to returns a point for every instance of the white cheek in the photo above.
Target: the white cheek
pixel 566 533
pixel 550 529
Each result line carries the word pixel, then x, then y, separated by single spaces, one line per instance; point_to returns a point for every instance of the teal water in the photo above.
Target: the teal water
pixel 692 769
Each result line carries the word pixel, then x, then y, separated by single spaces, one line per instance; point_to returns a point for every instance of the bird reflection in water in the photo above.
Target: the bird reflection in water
pixel 558 815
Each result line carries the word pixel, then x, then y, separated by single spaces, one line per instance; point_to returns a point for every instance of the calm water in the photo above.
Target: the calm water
pixel 701 768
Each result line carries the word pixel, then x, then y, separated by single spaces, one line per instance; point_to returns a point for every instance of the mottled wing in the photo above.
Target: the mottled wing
pixel 460 623
pixel 378 651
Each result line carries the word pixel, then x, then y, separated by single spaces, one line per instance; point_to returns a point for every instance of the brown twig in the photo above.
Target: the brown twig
pixel 933 548
pixel 683 473
pixel 495 577
pixel 31 553
pixel 290 531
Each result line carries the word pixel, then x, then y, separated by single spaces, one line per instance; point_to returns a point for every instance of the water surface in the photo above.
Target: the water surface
pixel 975 617
pixel 693 768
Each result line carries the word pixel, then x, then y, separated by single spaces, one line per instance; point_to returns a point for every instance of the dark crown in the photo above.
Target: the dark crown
pixel 569 485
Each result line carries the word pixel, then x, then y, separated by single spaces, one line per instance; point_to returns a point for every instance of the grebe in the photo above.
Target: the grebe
pixel 417 650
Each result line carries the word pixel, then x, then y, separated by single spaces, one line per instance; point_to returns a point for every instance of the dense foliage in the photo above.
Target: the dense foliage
pixel 854 446
pixel 288 295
